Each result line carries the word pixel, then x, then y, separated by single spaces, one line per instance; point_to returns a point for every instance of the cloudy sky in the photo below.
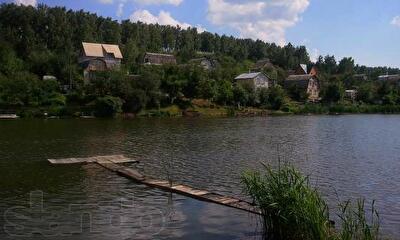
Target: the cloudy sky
pixel 368 30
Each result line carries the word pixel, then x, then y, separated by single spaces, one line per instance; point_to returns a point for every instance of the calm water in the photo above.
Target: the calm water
pixel 346 156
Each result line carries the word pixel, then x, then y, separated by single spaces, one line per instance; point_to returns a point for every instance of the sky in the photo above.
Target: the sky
pixel 367 30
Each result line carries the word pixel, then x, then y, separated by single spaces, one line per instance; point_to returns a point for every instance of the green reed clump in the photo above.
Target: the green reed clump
pixel 354 221
pixel 292 209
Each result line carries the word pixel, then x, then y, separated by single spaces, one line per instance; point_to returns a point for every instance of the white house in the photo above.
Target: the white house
pixel 256 80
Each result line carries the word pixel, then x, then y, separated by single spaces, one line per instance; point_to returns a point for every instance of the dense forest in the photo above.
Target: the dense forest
pixel 40 41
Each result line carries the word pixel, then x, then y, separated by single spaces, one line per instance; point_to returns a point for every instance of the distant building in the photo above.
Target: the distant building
pixel 350 94
pixel 262 64
pixel 305 82
pixel 390 78
pixel 255 80
pixel 159 59
pixel 97 57
pixel 49 77
pixel 360 77
pixel 205 63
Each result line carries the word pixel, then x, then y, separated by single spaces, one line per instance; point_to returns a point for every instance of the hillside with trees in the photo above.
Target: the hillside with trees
pixel 42 41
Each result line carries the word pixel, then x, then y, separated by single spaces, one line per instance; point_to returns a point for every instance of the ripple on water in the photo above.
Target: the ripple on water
pixel 350 155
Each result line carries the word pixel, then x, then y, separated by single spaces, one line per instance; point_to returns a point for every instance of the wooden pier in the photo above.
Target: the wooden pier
pixel 111 163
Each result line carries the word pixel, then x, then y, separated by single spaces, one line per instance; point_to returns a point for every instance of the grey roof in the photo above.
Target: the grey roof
pixel 247 76
pixel 262 63
pixel 304 67
pixel 299 77
pixel 299 80
pixel 395 77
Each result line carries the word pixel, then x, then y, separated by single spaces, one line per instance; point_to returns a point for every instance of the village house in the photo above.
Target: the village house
pixel 205 63
pixel 97 57
pixel 394 79
pixel 158 59
pixel 262 64
pixel 305 82
pixel 360 77
pixel 255 80
pixel 350 94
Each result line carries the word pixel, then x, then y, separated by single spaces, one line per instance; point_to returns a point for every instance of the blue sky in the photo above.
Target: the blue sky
pixel 368 30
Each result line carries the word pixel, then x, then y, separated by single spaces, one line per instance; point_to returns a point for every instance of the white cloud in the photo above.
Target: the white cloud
pixel 159 2
pixel 122 3
pixel 106 1
pixel 26 2
pixel 258 19
pixel 120 9
pixel 396 21
pixel 163 18
pixel 146 2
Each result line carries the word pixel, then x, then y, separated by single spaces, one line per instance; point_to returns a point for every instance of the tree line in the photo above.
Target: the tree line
pixel 47 41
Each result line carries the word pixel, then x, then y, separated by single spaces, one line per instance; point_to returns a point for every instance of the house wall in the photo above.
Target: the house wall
pixel 313 89
pixel 246 82
pixel 261 81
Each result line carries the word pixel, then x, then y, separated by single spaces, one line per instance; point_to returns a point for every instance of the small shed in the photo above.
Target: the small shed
pixel 262 64
pixel 158 59
pixel 350 94
pixel 205 63
pixel 360 77
pixel 255 80
pixel 49 77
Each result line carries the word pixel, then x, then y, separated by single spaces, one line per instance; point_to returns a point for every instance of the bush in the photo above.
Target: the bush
pixel 108 106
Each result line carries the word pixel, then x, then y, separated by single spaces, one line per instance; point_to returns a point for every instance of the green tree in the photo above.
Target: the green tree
pixel 333 92
pixel 108 106
pixel 346 66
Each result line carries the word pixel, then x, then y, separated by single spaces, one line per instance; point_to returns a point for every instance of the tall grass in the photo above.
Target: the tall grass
pixel 292 209
pixel 354 221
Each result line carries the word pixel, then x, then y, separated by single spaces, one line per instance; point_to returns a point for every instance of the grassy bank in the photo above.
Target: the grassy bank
pixel 293 209
pixel 209 110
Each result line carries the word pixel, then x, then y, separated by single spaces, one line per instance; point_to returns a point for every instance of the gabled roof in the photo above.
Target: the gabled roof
pixel 248 76
pixel 262 63
pixel 304 67
pixel 99 50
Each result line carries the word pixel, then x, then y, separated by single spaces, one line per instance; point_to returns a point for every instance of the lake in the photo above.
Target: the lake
pixel 346 156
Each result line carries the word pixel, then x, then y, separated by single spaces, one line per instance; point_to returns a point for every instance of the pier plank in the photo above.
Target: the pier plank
pixel 96 159
pixel 111 163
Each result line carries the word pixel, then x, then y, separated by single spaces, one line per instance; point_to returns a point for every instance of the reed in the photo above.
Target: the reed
pixel 293 209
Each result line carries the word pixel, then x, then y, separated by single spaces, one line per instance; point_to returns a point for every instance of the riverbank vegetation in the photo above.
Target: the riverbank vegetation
pixel 293 209
pixel 46 41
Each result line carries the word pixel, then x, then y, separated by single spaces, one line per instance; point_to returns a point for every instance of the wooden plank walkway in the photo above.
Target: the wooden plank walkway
pixel 96 159
pixel 109 162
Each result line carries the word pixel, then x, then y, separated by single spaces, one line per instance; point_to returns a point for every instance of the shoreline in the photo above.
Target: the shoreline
pixel 198 113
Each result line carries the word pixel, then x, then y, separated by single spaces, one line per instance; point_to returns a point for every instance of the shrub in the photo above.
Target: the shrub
pixel 107 106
